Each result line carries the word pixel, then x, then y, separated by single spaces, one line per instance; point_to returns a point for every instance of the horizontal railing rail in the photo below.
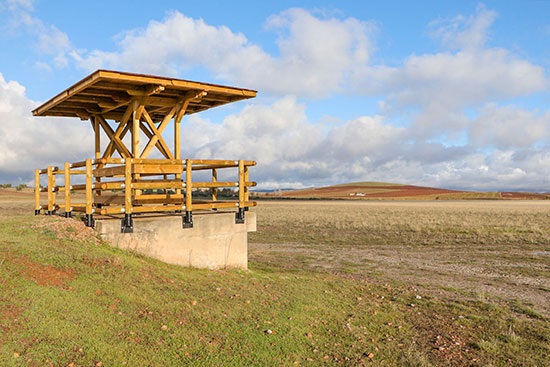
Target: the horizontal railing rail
pixel 116 186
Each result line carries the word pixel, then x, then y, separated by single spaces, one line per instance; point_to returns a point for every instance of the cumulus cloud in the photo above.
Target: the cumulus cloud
pixel 439 86
pixel 509 127
pixel 315 54
pixel 49 40
pixel 29 143
pixel 293 152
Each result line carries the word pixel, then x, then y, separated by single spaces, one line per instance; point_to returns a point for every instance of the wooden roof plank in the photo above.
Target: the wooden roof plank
pixel 105 91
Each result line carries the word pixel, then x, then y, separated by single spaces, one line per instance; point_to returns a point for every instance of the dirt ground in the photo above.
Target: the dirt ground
pixel 479 249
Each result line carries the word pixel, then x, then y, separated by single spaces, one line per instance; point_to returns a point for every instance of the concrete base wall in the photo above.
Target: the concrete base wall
pixel 214 242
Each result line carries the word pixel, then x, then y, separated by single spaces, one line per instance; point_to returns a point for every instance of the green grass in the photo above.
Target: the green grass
pixel 114 308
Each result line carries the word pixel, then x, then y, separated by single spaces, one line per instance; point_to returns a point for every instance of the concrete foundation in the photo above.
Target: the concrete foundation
pixel 214 242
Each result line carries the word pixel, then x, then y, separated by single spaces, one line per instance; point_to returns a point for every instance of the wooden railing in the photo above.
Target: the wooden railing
pixel 116 186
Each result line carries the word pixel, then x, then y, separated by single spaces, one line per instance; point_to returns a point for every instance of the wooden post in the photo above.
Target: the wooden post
pixel 36 192
pixel 97 138
pixel 214 189
pixel 188 185
pixel 241 184
pixel 89 198
pixel 95 121
pixel 135 129
pixel 67 190
pixel 177 147
pixel 246 188
pixel 128 186
pixel 51 198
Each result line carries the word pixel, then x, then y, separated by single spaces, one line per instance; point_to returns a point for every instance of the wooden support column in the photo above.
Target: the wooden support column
pixel 135 129
pixel 241 184
pixel 188 185
pixel 37 192
pixel 137 110
pixel 128 186
pixel 97 131
pixel 89 192
pixel 67 189
pixel 214 180
pixel 95 122
pixel 246 180
pixel 51 192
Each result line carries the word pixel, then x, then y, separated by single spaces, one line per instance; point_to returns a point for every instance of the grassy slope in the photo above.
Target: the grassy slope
pixel 109 307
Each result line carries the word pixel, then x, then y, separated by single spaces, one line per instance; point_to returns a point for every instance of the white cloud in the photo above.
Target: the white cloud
pixel 292 152
pixel 316 55
pixel 29 143
pixel 462 32
pixel 49 40
pixel 509 127
pixel 439 86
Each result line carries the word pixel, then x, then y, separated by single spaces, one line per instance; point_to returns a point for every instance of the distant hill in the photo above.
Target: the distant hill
pixel 392 191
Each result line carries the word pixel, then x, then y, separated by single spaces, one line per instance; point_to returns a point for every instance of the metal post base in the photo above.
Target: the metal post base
pixel 68 214
pixel 89 220
pixel 127 224
pixel 37 212
pixel 188 220
pixel 50 212
pixel 239 216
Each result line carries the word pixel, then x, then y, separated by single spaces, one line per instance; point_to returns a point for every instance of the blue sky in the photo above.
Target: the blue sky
pixel 449 94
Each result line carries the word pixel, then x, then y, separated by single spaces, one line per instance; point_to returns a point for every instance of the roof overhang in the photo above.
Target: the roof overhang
pixel 108 93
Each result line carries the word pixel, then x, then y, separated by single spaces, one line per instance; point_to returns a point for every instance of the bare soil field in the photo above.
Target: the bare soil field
pixel 388 191
pixel 474 249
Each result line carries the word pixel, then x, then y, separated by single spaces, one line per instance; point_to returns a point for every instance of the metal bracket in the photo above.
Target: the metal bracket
pixel 127 224
pixel 37 212
pixel 239 216
pixel 90 222
pixel 187 220
pixel 68 214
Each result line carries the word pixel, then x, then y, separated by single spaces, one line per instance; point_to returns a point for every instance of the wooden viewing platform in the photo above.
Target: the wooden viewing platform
pixel 139 104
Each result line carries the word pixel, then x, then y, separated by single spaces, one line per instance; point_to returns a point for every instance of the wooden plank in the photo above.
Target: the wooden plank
pixel 109 171
pixel 118 144
pixel 37 189
pixel 66 94
pixel 128 186
pixel 214 180
pixel 89 198
pixel 67 187
pixel 156 135
pixel 241 184
pixel 157 168
pixel 160 130
pixel 110 199
pixel 120 132
pixel 51 197
pixel 95 122
pixel 189 185
pixel 247 186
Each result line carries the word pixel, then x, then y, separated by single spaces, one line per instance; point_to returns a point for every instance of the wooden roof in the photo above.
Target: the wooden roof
pixel 108 93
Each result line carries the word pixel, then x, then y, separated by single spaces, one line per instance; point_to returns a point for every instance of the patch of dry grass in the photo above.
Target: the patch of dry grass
pixel 469 247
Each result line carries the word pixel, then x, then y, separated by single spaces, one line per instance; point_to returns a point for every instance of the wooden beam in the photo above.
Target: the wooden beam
pixel 67 187
pixel 156 134
pixel 120 132
pixel 89 197
pixel 137 109
pixel 119 145
pixel 95 123
pixel 37 189
pixel 147 91
pixel 160 129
